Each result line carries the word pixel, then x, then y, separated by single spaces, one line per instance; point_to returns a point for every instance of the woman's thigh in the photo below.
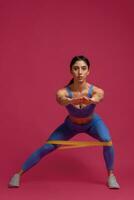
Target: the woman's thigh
pixel 99 130
pixel 63 132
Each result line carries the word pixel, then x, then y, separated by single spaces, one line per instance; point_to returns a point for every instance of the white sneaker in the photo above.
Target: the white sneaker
pixel 14 181
pixel 112 182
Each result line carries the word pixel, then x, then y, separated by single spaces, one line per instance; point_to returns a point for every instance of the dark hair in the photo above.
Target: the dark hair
pixel 74 60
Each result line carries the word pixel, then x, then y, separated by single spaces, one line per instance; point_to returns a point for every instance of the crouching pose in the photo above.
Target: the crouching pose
pixel 80 99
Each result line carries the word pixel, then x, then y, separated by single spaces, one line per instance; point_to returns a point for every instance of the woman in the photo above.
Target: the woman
pixel 80 99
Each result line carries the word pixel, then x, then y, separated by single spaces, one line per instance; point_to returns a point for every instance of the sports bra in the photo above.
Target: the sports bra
pixel 80 112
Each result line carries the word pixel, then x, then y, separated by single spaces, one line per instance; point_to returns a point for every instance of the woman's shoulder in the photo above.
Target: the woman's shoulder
pixel 62 92
pixel 97 88
pixel 94 85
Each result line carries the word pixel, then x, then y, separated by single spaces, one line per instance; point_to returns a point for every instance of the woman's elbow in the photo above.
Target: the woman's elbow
pixel 102 94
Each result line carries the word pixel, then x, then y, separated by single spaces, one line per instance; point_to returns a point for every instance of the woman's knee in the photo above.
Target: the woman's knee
pixel 105 135
pixel 106 139
pixel 46 148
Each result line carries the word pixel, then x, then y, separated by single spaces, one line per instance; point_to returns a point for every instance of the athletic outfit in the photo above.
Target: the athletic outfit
pixel 95 128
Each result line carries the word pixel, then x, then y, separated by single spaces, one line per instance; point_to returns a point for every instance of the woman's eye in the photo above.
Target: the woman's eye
pixel 84 68
pixel 75 68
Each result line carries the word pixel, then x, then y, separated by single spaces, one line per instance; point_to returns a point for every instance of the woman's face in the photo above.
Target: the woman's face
pixel 80 71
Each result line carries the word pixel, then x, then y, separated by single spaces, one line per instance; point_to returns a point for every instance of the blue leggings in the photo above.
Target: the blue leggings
pixel 95 128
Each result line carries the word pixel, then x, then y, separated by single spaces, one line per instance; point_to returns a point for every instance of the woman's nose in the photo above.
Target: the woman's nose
pixel 79 71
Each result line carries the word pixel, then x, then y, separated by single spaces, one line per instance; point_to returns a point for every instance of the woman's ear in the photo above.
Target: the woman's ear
pixel 88 72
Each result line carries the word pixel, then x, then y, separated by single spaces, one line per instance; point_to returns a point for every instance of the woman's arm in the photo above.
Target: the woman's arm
pixel 63 99
pixel 97 96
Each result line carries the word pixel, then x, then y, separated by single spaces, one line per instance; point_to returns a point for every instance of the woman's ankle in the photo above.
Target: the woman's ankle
pixel 20 172
pixel 110 172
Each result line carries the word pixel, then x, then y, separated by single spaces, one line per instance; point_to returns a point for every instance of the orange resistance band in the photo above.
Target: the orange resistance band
pixel 77 144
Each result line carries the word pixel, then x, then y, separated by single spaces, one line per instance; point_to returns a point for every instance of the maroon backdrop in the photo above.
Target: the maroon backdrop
pixel 37 42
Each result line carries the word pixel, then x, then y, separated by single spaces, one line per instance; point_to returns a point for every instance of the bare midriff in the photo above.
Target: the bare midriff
pixel 80 120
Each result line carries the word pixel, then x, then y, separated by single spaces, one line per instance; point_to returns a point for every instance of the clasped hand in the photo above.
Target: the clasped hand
pixel 81 100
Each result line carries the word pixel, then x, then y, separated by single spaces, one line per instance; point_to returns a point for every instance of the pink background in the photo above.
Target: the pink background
pixel 37 42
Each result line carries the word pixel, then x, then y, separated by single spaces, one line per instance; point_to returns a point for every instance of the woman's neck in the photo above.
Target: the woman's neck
pixel 79 86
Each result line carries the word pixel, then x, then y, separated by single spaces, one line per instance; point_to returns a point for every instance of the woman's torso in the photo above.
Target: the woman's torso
pixel 80 113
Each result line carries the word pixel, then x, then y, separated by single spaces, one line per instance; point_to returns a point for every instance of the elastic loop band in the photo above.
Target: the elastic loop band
pixel 77 144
